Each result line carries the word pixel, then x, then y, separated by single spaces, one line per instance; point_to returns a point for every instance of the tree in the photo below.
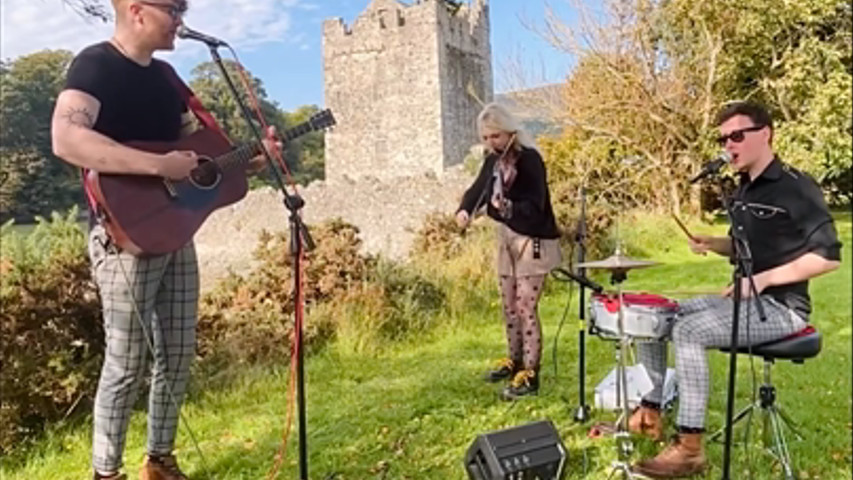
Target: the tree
pixel 309 149
pixel 651 75
pixel 797 61
pixel 34 181
pixel 213 91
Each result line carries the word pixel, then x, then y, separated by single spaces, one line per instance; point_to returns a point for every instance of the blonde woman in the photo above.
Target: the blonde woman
pixel 513 187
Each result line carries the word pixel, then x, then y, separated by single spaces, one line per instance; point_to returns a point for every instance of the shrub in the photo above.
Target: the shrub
pixel 250 319
pixel 412 299
pixel 50 324
pixel 348 295
pixel 438 236
pixel 440 239
pixel 394 302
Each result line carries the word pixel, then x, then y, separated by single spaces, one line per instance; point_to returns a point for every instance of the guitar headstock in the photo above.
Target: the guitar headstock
pixel 322 120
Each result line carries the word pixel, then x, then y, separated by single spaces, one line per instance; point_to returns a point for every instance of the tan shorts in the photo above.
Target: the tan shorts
pixel 520 255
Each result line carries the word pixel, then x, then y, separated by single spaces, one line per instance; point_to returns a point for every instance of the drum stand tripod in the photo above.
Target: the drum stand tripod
pixel 618 265
pixel 623 440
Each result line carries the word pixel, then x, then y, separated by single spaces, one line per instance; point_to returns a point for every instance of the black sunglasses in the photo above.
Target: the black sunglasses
pixel 174 11
pixel 737 136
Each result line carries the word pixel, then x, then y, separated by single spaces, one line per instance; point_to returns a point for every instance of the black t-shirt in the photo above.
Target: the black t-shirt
pixel 784 216
pixel 137 102
pixel 532 214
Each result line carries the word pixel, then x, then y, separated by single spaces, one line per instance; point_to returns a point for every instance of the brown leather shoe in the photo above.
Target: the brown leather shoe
pixel 682 458
pixel 646 421
pixel 161 468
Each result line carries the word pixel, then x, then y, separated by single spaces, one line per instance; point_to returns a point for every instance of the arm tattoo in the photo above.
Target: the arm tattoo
pixel 79 117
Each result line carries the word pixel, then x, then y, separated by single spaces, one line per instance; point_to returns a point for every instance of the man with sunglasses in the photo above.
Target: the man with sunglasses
pixel 116 92
pixel 792 238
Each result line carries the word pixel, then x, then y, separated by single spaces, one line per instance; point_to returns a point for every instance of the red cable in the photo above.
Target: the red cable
pixel 295 342
pixel 255 104
pixel 299 310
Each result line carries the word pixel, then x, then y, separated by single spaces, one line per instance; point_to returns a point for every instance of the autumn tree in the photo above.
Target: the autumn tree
pixel 637 111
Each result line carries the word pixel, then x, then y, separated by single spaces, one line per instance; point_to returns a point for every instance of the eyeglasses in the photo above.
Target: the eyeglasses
pixel 737 136
pixel 174 11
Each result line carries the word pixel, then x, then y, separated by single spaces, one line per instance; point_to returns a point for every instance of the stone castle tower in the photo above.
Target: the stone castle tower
pixel 398 83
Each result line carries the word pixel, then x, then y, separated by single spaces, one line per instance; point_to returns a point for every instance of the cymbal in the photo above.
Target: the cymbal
pixel 618 262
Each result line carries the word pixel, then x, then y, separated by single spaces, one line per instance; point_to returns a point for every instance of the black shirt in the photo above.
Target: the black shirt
pixel 137 102
pixel 531 214
pixel 784 216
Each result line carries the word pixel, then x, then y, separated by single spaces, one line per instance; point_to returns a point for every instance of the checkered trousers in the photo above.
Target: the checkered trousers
pixel 702 323
pixel 165 290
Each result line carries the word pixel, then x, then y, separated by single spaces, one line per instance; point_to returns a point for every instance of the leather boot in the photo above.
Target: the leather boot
pixel 161 468
pixel 646 421
pixel 683 457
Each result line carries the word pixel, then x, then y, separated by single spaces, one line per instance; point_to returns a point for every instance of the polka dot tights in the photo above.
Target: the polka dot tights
pixel 520 297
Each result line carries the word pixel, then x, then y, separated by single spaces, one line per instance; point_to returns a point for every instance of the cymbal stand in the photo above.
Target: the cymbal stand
pixel 624 445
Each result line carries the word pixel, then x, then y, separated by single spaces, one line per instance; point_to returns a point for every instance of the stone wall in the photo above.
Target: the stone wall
pixel 397 80
pixel 387 215
pixel 465 65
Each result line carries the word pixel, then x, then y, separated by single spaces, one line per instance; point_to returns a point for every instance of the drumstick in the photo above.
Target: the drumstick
pixel 683 228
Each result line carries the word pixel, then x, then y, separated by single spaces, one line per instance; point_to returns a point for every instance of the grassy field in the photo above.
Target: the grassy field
pixel 410 410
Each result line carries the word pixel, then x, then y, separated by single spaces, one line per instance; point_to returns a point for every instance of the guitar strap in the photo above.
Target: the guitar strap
pixel 192 102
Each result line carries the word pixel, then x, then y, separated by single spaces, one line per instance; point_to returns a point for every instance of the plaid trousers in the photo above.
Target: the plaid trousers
pixel 702 323
pixel 163 290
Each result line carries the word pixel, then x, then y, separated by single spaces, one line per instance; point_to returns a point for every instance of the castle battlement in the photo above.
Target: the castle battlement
pixel 397 80
pixel 390 15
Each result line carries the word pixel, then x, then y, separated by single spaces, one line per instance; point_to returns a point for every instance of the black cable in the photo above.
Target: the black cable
pixel 750 417
pixel 110 249
pixel 560 328
pixel 748 428
pixel 565 312
pixel 568 280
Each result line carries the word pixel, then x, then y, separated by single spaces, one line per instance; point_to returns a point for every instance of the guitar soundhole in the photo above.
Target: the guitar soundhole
pixel 206 175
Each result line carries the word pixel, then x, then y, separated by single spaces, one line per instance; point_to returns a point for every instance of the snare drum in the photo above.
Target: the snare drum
pixel 646 315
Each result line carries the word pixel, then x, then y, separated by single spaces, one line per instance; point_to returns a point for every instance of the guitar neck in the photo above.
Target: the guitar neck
pixel 297 131
pixel 240 156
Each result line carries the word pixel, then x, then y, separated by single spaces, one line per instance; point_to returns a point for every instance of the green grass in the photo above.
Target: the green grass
pixel 410 410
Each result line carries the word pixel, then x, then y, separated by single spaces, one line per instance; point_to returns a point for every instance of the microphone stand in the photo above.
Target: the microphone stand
pixel 300 241
pixel 582 412
pixel 742 258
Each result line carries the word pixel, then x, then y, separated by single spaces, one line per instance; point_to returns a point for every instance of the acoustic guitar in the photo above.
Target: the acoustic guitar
pixel 149 215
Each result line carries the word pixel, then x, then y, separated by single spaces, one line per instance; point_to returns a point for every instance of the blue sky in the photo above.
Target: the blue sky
pixel 293 75
pixel 280 41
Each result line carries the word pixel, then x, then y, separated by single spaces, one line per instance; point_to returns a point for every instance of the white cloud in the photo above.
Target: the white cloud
pixel 27 26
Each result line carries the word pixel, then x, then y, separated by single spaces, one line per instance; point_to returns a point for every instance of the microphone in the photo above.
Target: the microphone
pixel 586 282
pixel 713 166
pixel 188 33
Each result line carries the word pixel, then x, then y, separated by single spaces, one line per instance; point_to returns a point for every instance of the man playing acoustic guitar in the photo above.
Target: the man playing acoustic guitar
pixel 116 92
